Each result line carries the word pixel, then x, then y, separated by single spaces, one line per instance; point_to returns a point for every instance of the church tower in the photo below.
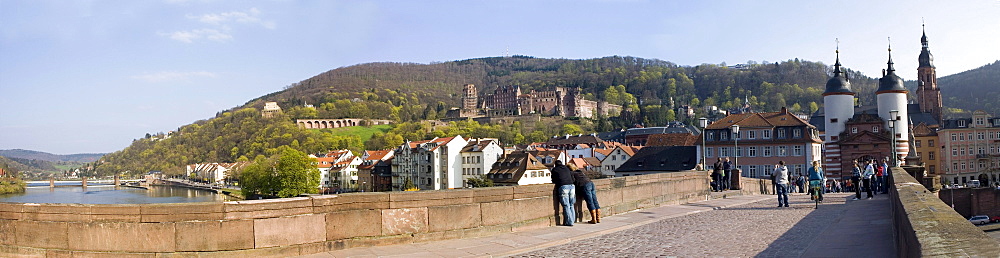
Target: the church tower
pixel 838 107
pixel 891 96
pixel 928 93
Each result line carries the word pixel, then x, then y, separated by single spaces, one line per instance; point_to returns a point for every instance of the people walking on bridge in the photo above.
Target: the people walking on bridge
pixel 717 175
pixel 882 178
pixel 856 180
pixel 727 172
pixel 562 178
pixel 866 178
pixel 801 180
pixel 781 183
pixel 585 192
pixel 816 177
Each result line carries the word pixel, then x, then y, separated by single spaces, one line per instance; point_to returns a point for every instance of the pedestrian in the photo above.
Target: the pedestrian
pixel 792 184
pixel 585 192
pixel 856 180
pixel 866 178
pixel 802 183
pixel 882 179
pixel 562 178
pixel 816 176
pixel 781 183
pixel 717 175
pixel 727 172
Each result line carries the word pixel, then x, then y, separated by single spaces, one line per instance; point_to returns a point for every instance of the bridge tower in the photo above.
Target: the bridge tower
pixel 891 96
pixel 838 106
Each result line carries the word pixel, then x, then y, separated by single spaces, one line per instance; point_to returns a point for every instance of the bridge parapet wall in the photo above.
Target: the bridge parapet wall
pixel 305 225
pixel 926 226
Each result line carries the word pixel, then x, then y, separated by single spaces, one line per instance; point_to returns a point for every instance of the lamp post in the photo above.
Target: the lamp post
pixel 736 145
pixel 892 130
pixel 703 122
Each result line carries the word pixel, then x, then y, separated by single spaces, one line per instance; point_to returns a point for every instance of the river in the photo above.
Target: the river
pixel 108 194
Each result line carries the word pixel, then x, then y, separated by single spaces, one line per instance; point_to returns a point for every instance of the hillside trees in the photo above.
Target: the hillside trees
pixel 287 174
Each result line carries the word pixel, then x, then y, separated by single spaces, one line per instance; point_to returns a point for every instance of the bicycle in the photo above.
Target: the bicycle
pixel 816 186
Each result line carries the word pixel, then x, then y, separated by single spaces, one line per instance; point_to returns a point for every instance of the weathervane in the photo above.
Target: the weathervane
pixel 838 44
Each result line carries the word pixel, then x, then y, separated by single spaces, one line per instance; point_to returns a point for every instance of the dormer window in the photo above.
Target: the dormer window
pixel 875 129
pixel 854 130
pixel 961 123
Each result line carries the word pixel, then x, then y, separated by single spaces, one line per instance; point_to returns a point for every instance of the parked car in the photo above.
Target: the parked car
pixel 980 219
pixel 974 184
pixel 995 219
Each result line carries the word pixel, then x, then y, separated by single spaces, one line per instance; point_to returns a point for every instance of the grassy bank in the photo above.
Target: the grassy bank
pixel 365 132
pixel 11 185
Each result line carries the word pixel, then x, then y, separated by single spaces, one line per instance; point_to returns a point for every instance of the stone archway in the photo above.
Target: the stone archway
pixel 984 180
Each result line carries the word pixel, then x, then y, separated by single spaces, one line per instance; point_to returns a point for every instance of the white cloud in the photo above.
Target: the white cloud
pixel 189 36
pixel 221 26
pixel 172 76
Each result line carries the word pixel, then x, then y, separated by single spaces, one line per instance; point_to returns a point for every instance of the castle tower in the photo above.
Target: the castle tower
pixel 891 95
pixel 470 97
pixel 838 106
pixel 928 93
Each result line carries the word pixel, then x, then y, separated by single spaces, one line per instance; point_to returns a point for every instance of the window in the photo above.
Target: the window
pixel 932 169
pixel 970 150
pixel 738 135
pixel 875 129
pixel 980 121
pixel 711 136
pixel 798 169
pixel 767 151
pixel 723 152
pixel 954 137
pixel 930 155
pixel 963 165
pixel 723 136
pixel 833 120
pixel 962 151
pixel 796 133
pixel 961 123
pixel 930 143
pixel 739 151
pixel 796 150
pixel 708 152
pixel 767 134
pixel 970 136
pixel 782 151
pixel 954 166
pixel 916 143
pixel 613 157
pixel 781 133
pixel 752 151
pixel 751 134
pixel 981 150
pixel 753 171
pixel 854 130
pixel 982 165
pixel 981 136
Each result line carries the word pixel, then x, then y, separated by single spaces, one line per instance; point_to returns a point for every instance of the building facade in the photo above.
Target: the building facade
pixel 520 168
pixel 429 165
pixel 971 149
pixel 511 101
pixel 478 157
pixel 762 141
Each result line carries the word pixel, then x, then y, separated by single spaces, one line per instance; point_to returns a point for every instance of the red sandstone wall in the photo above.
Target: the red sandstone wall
pixel 304 225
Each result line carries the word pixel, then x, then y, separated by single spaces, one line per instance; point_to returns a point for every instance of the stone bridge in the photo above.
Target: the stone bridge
pixel 338 123
pixel 923 225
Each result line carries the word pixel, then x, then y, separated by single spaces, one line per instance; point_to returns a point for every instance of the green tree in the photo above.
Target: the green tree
pixel 571 129
pixel 287 174
pixel 480 181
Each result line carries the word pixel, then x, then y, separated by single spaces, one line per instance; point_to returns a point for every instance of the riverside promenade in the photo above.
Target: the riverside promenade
pixel 741 226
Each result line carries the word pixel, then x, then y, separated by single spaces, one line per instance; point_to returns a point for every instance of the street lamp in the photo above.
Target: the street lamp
pixel 892 130
pixel 736 145
pixel 703 122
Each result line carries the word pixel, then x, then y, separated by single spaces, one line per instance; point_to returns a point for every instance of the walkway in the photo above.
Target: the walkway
pixel 736 226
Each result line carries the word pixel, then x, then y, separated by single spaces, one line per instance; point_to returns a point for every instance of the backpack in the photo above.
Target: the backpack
pixel 878 171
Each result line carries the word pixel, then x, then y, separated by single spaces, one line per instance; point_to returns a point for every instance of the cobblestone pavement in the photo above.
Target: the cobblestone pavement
pixel 756 229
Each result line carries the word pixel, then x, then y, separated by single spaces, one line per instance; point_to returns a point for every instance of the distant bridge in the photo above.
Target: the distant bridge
pixel 338 123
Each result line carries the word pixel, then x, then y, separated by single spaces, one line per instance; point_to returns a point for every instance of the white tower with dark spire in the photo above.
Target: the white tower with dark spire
pixel 891 96
pixel 838 107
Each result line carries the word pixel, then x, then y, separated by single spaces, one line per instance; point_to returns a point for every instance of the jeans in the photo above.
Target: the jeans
pixel 782 190
pixel 590 196
pixel 868 186
pixel 567 197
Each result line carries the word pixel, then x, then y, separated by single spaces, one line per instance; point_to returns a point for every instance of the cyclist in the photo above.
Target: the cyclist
pixel 816 178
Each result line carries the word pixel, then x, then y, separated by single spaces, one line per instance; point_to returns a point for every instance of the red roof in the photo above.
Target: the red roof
pixel 377 155
pixel 758 120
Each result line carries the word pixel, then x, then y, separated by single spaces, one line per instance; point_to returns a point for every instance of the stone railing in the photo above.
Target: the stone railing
pixel 305 225
pixel 926 226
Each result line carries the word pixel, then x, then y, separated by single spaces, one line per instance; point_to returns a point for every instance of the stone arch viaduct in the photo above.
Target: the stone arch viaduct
pixel 338 123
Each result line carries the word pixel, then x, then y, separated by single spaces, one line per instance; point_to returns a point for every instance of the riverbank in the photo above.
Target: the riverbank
pixel 10 185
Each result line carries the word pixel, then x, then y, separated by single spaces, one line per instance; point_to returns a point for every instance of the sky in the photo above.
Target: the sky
pixel 90 76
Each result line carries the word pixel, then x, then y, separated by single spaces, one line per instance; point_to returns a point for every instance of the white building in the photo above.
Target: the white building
pixel 519 169
pixel 213 172
pixel 616 158
pixel 478 157
pixel 338 169
pixel 430 165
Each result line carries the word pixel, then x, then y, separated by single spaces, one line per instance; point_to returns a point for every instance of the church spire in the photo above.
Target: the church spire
pixel 890 69
pixel 836 66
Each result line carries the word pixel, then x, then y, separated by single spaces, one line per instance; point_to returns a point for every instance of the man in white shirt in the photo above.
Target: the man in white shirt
pixel 781 183
pixel 866 177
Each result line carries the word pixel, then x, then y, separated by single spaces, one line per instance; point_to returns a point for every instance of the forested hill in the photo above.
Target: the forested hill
pixel 420 90
pixel 38 155
pixel 973 89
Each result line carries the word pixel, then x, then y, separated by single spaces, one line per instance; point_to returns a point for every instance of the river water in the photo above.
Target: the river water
pixel 108 194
